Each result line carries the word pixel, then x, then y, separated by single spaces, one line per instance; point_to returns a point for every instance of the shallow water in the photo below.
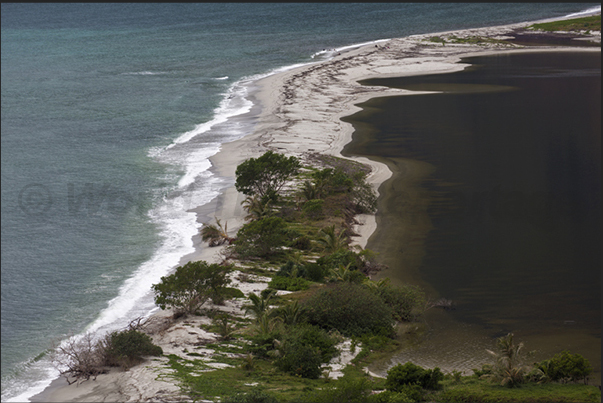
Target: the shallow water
pixel 495 201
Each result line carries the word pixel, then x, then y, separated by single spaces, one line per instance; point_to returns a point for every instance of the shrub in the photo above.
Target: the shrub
pixel 314 272
pixel 306 334
pixel 289 283
pixel 406 301
pixel 302 243
pixel 400 376
pixel 299 359
pixel 191 286
pixel 127 348
pixel 350 309
pixel 565 366
pixel 263 344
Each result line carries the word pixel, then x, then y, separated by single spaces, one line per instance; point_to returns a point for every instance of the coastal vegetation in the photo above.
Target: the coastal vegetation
pixel 591 23
pixel 81 359
pixel 298 233
pixel 319 304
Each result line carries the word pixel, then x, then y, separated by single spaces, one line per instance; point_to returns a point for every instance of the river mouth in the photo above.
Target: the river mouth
pixel 494 203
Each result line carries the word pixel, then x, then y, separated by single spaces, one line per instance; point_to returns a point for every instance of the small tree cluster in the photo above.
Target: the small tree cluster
pixel 565 367
pixel 191 286
pixel 265 176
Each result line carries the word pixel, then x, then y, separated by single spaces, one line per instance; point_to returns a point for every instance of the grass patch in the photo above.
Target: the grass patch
pixel 471 389
pixel 592 23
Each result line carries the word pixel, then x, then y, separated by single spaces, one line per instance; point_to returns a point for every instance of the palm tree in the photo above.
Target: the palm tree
pixel 376 285
pixel 310 191
pixel 259 305
pixel 256 208
pixel 290 314
pixel 508 368
pixel 216 235
pixel 332 241
pixel 341 273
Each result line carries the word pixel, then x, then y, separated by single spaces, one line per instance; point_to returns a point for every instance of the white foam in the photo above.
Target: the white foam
pixel 144 73
pixel 592 10
pixel 198 162
pixel 234 103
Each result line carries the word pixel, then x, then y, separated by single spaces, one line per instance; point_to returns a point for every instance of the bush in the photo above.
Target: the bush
pixel 301 360
pixel 406 301
pixel 289 283
pixel 565 366
pixel 303 349
pixel 263 344
pixel 350 309
pixel 400 376
pixel 191 286
pixel 314 272
pixel 128 347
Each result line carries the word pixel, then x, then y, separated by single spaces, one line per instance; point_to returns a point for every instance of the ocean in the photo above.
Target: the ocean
pixel 109 115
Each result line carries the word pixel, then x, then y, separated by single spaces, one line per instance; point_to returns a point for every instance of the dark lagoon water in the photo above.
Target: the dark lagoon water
pixel 495 202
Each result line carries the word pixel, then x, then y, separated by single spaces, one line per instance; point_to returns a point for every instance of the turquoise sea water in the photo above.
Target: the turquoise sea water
pixel 109 113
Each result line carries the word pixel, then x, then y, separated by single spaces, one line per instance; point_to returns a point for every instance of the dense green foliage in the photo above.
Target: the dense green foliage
pixel 402 375
pixel 566 367
pixel 129 347
pixel 349 308
pixel 191 286
pixel 265 176
pixel 261 238
pixel 406 301
pixel 303 349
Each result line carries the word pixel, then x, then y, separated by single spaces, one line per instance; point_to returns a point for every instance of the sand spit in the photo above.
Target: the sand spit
pixel 300 114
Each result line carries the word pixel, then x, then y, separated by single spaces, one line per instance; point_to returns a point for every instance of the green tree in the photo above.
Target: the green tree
pixel 191 286
pixel 262 237
pixel 265 176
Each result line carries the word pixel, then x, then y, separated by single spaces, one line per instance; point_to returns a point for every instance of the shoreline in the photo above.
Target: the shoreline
pixel 301 111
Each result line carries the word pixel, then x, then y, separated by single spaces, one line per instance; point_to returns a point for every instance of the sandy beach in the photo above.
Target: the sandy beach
pixel 300 113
